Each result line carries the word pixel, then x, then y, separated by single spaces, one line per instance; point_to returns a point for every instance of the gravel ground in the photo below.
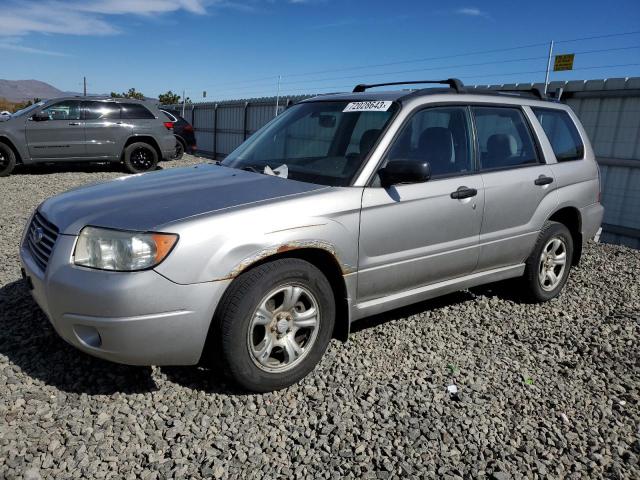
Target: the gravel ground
pixel 544 391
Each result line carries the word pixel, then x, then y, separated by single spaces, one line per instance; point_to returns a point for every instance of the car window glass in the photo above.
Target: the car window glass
pixel 504 138
pixel 561 132
pixel 66 110
pixel 135 111
pixel 440 136
pixel 101 111
pixel 319 142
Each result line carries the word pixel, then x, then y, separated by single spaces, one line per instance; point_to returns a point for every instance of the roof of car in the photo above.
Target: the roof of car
pixel 100 98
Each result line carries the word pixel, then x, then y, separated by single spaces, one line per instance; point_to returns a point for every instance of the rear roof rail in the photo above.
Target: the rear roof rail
pixel 534 91
pixel 454 83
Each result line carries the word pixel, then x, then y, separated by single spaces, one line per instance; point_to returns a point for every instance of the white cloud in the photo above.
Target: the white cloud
pixel 89 17
pixel 472 12
pixel 14 43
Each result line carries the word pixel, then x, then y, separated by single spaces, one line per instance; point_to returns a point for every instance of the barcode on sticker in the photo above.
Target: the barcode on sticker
pixel 370 106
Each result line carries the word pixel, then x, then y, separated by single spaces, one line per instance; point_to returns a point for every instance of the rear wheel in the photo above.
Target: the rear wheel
pixel 140 157
pixel 7 160
pixel 275 323
pixel 547 268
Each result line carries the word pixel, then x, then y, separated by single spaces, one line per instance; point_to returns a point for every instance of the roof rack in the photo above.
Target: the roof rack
pixel 454 83
pixel 535 91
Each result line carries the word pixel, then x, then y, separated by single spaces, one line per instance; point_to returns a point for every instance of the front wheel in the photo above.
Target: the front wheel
pixel 140 157
pixel 275 323
pixel 547 268
pixel 179 150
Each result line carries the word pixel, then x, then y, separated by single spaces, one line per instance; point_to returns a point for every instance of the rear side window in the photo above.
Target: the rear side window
pixel 561 132
pixel 504 138
pixel 133 111
pixel 101 111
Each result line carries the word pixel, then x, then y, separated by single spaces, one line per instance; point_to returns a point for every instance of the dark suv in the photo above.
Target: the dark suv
pixel 73 129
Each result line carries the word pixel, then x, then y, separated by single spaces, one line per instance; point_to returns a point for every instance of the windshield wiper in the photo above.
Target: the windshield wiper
pixel 250 168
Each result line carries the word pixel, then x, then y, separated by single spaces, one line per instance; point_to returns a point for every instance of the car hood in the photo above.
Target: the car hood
pixel 148 201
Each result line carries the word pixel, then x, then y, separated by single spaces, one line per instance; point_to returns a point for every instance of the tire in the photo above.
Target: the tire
pixel 256 329
pixel 7 160
pixel 554 244
pixel 140 157
pixel 179 150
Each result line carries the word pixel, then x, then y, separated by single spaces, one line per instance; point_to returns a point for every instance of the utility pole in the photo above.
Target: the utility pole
pixel 184 100
pixel 278 95
pixel 546 77
pixel 84 81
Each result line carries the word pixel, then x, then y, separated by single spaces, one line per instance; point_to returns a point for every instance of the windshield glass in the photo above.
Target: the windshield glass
pixel 316 142
pixel 28 109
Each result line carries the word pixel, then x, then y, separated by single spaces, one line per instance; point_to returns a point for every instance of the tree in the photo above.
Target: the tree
pixel 132 93
pixel 169 98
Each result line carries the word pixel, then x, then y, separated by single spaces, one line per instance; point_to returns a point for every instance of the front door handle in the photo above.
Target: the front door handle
pixel 464 192
pixel 543 180
pixel 74 123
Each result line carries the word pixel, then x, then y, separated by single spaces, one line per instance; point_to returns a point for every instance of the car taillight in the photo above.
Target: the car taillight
pixel 188 128
pixel 169 125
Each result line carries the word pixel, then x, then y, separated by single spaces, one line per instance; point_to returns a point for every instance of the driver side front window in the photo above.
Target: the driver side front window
pixel 440 136
pixel 67 110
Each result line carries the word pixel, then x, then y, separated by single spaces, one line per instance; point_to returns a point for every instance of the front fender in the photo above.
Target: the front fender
pixel 222 245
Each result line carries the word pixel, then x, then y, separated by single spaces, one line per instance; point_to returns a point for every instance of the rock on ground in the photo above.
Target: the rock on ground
pixel 543 391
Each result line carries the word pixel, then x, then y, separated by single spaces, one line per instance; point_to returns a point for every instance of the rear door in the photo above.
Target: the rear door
pixel 103 129
pixel 519 186
pixel 61 136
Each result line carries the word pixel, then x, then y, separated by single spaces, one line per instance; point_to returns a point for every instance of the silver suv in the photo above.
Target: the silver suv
pixel 74 129
pixel 342 207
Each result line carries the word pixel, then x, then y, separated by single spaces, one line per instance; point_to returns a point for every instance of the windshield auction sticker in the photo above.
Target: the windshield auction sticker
pixel 371 106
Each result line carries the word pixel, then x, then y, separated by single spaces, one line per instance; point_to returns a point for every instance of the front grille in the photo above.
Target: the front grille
pixel 40 239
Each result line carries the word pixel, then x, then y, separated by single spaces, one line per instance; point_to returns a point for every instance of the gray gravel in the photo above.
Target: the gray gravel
pixel 544 391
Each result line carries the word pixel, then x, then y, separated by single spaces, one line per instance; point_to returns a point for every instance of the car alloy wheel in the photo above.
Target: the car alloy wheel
pixel 142 158
pixel 553 262
pixel 283 328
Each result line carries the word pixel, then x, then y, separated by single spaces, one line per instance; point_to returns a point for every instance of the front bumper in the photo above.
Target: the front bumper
pixel 136 318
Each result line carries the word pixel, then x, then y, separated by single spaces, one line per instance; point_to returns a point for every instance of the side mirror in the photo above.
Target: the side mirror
pixel 404 171
pixel 40 117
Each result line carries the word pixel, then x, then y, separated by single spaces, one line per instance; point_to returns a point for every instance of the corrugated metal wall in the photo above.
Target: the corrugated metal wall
pixel 609 110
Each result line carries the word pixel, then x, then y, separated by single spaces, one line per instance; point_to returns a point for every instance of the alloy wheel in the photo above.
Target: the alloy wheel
pixel 553 263
pixel 283 328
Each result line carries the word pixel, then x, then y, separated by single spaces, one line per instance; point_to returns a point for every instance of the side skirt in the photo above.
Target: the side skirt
pixel 401 299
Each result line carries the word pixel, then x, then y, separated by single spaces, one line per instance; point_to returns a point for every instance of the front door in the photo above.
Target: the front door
pixel 419 234
pixel 60 136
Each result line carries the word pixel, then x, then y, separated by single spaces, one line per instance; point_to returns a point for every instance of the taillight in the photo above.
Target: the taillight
pixel 188 128
pixel 169 125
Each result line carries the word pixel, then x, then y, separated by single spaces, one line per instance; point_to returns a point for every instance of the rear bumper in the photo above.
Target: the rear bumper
pixel 136 318
pixel 591 220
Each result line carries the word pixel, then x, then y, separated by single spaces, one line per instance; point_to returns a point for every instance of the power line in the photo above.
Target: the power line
pixel 425 69
pixel 312 90
pixel 424 59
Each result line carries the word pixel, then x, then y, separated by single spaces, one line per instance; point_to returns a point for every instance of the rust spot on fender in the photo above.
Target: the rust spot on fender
pixel 286 247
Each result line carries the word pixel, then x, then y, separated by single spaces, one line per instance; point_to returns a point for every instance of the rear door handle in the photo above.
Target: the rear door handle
pixel 464 192
pixel 74 123
pixel 543 180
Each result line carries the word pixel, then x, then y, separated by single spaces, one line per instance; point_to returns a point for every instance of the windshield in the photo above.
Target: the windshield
pixel 28 109
pixel 316 142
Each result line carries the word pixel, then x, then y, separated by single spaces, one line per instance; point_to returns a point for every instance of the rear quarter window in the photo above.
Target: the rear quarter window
pixel 561 132
pixel 134 111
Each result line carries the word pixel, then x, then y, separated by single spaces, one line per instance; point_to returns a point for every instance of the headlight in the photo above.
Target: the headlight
pixel 121 251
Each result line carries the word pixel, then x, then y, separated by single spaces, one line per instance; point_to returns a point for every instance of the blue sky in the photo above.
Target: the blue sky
pixel 237 48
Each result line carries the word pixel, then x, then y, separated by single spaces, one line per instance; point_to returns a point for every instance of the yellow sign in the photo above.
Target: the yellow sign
pixel 563 62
